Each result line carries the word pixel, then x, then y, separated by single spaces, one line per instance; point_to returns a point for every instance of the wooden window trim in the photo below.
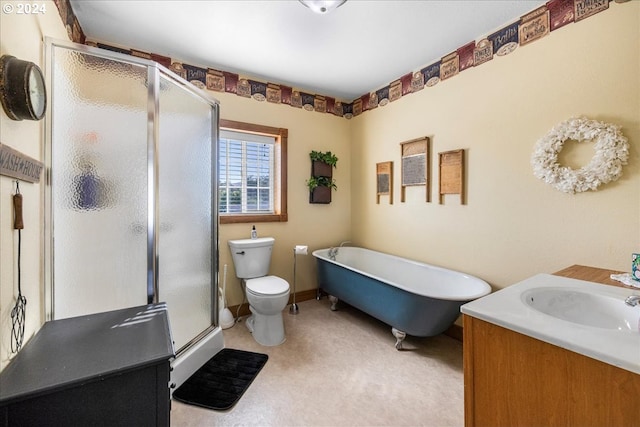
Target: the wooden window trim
pixel 280 188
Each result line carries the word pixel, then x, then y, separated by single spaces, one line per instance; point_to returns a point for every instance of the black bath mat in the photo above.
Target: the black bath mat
pixel 220 382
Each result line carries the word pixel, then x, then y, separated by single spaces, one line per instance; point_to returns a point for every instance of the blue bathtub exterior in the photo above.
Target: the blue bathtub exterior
pixel 414 314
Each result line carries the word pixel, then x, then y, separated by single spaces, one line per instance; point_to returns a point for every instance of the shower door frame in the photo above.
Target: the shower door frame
pixel 154 71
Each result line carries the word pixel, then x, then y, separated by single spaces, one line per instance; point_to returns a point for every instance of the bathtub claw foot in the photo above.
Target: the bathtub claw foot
pixel 334 302
pixel 400 336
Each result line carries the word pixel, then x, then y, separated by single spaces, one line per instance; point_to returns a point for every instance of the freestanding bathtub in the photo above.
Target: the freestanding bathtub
pixel 412 297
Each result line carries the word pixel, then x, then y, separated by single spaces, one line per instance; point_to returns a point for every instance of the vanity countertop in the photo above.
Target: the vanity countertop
pixel 507 308
pixel 591 274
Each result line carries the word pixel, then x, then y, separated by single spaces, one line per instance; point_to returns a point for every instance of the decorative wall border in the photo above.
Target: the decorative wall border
pixel 70 21
pixel 532 26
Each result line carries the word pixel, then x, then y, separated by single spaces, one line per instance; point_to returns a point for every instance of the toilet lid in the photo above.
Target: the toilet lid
pixel 269 285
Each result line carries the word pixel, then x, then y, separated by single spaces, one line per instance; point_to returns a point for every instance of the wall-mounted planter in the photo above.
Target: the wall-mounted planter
pixel 320 194
pixel 321 181
pixel 319 168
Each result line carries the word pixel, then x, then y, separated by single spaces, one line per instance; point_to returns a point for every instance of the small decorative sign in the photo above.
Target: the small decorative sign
pixel 258 90
pixel 274 94
pixel 384 181
pixel 406 83
pixel 308 101
pixel 452 174
pixel 431 74
pixel 465 55
pixel 177 68
pixel 338 110
pixel 244 88
pixel 586 8
pixel 17 165
pixel 483 52
pixel 505 40
pixel 364 101
pixel 357 107
pixel 395 90
pixel 196 76
pixel 450 66
pixel 215 80
pixel 320 104
pixel 285 94
pixel 415 165
pixel 347 110
pixel 331 105
pixel 296 99
pixel 534 25
pixel 383 96
pixel 561 13
pixel 230 82
pixel 417 82
pixel 372 102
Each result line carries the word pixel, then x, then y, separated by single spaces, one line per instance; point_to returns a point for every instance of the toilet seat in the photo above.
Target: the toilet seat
pixel 267 286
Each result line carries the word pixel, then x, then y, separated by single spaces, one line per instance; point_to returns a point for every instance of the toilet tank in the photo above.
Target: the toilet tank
pixel 251 257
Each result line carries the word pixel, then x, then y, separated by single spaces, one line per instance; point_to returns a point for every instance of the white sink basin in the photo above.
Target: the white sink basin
pixel 584 308
pixel 588 318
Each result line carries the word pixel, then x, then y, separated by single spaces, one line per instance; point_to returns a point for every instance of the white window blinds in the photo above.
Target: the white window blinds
pixel 246 173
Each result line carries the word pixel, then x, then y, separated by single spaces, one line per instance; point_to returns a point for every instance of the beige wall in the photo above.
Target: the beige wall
pixel 314 225
pixel 513 225
pixel 22 36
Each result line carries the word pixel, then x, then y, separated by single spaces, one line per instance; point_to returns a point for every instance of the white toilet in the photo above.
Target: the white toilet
pixel 267 295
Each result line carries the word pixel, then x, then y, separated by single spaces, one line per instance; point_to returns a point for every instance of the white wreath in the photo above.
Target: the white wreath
pixel 612 152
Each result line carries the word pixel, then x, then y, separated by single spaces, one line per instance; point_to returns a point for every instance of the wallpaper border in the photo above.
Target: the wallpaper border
pixel 531 27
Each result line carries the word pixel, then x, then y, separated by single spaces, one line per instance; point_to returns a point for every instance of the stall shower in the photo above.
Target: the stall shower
pixel 131 199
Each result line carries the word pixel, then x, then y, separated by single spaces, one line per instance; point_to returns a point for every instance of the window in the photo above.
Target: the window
pixel 252 173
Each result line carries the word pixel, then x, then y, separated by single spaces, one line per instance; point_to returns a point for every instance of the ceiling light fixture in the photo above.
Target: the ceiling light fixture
pixel 322 7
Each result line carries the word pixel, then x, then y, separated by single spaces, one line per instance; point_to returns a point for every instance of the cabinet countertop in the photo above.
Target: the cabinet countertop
pixel 591 274
pixel 87 348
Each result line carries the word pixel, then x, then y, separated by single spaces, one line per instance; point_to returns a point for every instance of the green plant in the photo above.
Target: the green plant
pixel 326 157
pixel 321 181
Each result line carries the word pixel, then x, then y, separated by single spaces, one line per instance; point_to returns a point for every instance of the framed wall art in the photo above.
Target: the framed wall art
pixel 384 181
pixel 415 166
pixel 452 174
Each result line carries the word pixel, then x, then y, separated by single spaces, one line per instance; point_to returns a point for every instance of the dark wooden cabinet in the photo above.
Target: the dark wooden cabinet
pixel 106 369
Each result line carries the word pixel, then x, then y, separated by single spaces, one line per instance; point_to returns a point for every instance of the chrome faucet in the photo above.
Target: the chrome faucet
pixel 333 251
pixel 632 300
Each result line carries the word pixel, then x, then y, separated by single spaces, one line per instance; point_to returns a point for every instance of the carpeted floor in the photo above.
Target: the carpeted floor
pixel 341 369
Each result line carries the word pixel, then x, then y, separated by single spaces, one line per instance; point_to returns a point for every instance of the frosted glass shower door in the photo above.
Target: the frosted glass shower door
pixel 186 166
pixel 98 156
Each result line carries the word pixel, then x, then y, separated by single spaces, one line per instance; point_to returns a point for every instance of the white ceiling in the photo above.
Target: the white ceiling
pixel 357 48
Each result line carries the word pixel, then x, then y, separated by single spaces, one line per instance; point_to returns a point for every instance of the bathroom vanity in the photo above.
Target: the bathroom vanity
pixel 521 369
pixel 102 369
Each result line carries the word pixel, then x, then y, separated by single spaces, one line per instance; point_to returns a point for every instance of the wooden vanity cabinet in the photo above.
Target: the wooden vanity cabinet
pixel 511 379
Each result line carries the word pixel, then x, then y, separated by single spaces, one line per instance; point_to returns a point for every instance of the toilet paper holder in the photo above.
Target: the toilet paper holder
pixel 297 250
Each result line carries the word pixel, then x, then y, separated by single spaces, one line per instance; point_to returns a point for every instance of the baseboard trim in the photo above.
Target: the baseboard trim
pixel 454 331
pixel 300 296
